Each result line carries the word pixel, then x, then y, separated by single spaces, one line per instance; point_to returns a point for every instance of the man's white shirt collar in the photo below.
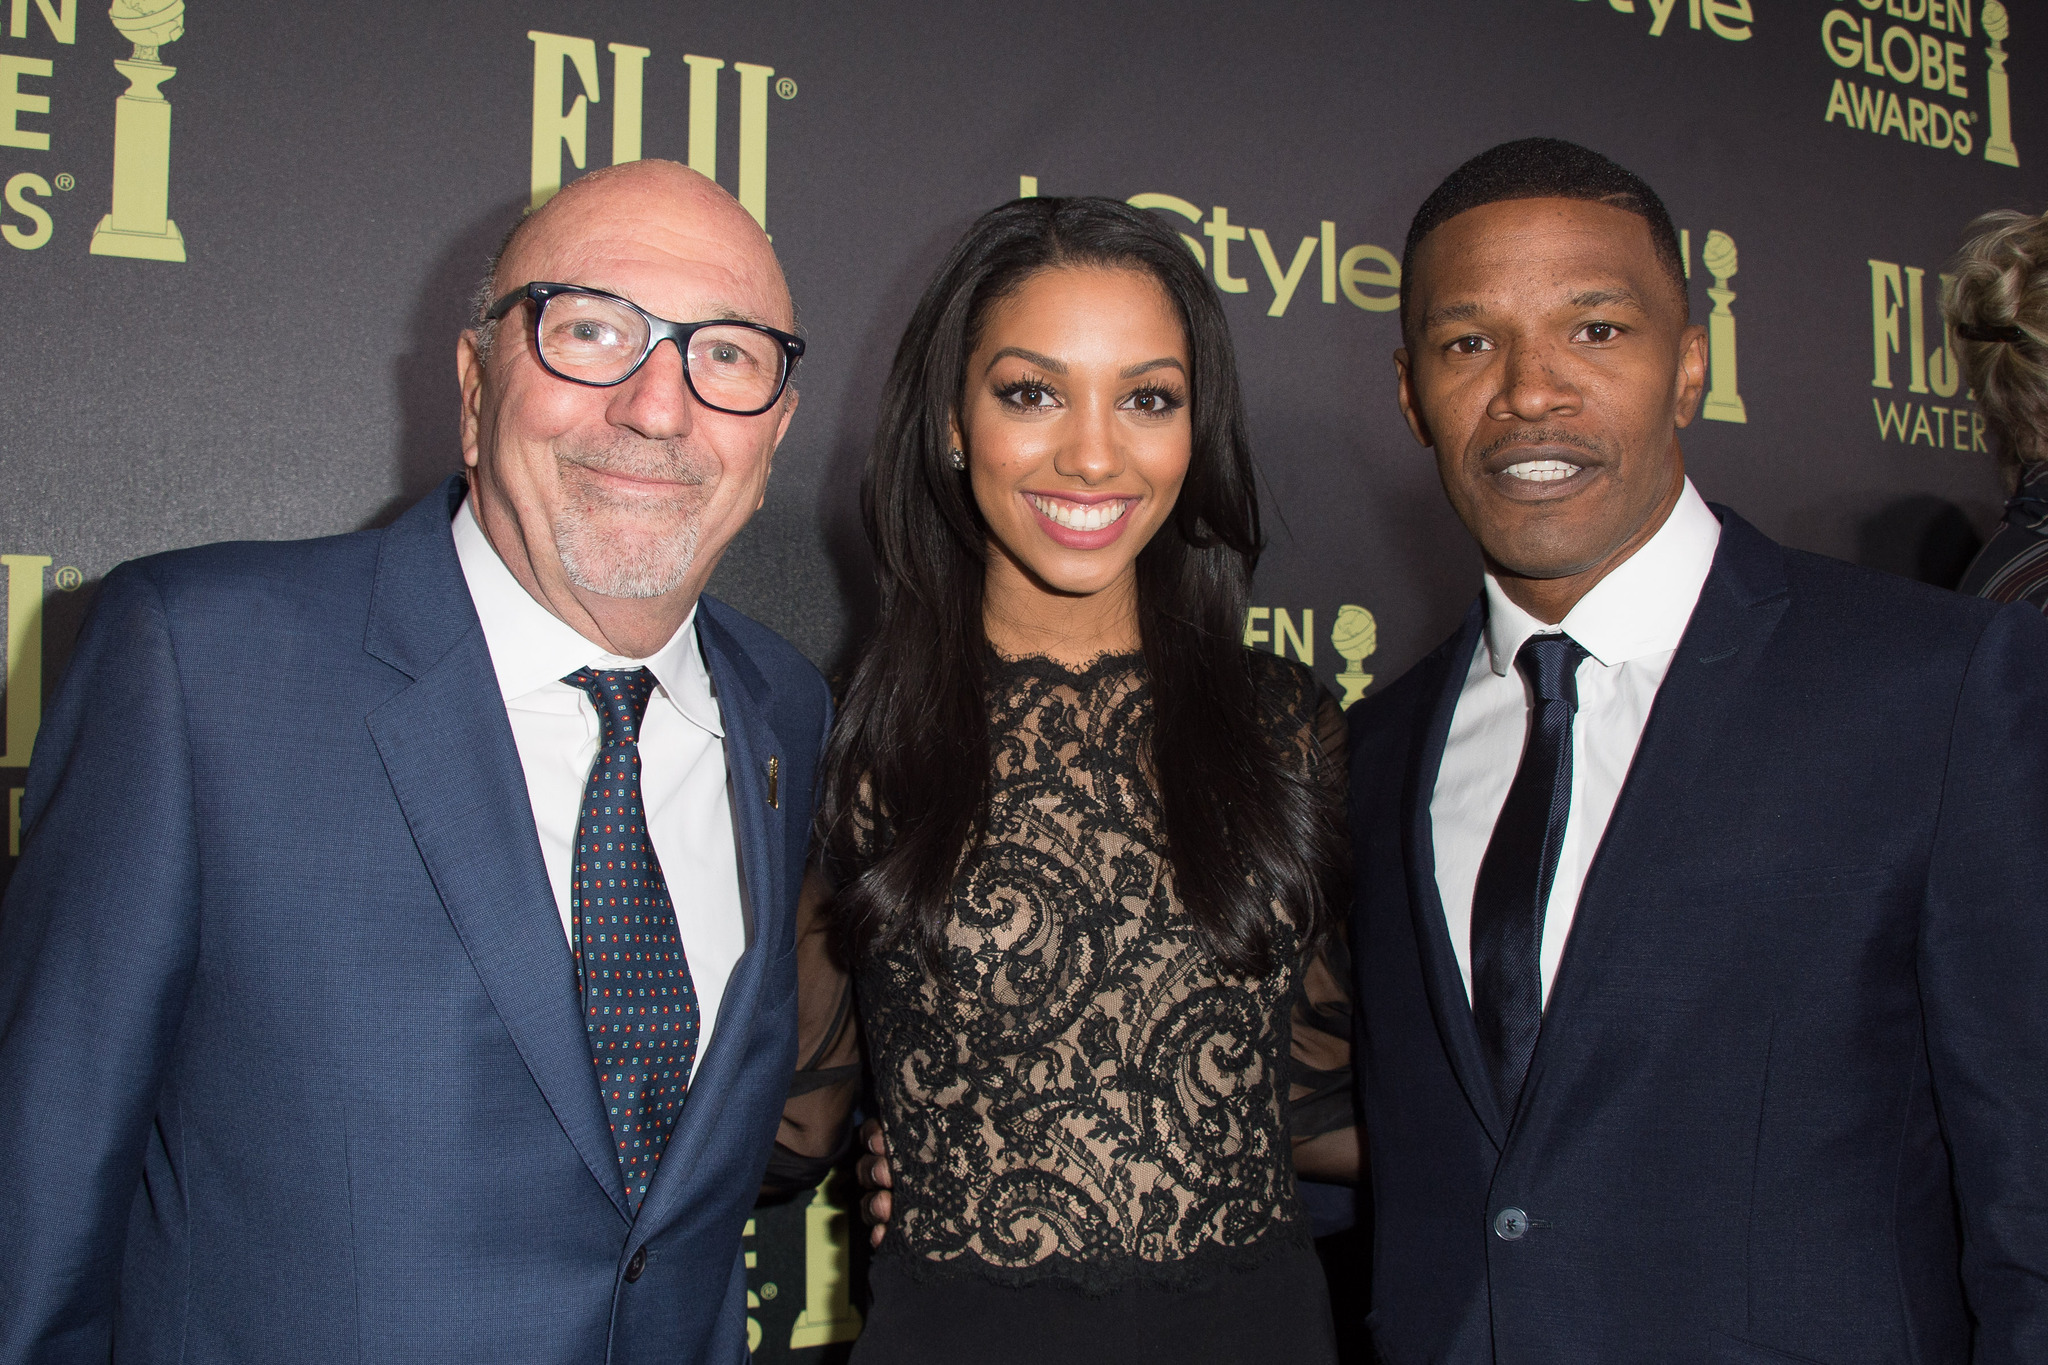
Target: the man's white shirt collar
pixel 1639 609
pixel 532 647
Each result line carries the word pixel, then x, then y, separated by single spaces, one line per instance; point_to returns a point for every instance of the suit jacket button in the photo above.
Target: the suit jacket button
pixel 1509 1225
pixel 639 1263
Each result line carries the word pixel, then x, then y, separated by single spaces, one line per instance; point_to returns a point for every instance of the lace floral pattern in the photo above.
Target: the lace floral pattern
pixel 1084 1096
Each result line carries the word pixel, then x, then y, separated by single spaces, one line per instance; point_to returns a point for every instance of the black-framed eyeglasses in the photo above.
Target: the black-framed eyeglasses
pixel 587 336
pixel 1970 331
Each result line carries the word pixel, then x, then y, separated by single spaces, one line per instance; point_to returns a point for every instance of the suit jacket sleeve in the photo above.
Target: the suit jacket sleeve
pixel 1984 983
pixel 98 937
pixel 816 1132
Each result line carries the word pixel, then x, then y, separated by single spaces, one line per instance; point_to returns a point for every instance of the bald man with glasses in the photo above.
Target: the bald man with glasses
pixel 399 962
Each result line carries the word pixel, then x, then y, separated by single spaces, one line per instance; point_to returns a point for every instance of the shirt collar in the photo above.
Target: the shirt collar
pixel 531 647
pixel 1640 608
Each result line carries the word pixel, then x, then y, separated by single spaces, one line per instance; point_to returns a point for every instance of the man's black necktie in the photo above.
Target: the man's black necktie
pixel 639 1004
pixel 1520 864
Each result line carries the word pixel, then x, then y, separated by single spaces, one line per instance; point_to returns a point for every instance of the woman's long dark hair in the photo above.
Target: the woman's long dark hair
pixel 1242 828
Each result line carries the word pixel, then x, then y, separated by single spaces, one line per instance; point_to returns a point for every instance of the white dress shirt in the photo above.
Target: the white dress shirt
pixel 1630 623
pixel 682 759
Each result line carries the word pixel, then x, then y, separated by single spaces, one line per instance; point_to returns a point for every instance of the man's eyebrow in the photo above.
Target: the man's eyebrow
pixel 1451 312
pixel 1601 298
pixel 1143 367
pixel 1045 361
pixel 727 313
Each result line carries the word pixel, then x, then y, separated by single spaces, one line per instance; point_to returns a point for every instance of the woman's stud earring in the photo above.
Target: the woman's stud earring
pixel 957 458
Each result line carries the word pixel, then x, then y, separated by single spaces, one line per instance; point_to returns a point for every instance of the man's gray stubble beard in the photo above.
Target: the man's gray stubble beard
pixel 600 563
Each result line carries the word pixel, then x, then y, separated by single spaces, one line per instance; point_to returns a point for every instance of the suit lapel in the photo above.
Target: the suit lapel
pixel 454 768
pixel 750 743
pixel 1744 597
pixel 1442 980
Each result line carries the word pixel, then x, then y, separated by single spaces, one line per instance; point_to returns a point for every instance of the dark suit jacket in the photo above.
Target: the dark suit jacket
pixel 1790 1100
pixel 292 1065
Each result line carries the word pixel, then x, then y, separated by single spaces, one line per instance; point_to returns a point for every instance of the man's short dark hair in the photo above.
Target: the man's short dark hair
pixel 1543 168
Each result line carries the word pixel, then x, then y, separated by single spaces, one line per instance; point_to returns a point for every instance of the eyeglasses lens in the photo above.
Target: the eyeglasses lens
pixel 599 341
pixel 592 339
pixel 735 367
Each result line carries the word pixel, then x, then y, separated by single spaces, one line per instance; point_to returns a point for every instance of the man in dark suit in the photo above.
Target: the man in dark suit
pixel 391 904
pixel 1701 882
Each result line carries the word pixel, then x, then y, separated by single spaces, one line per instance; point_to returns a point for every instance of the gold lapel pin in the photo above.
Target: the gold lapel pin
pixel 774 770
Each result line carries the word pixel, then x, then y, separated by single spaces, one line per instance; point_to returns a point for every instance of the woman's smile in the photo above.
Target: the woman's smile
pixel 1081 523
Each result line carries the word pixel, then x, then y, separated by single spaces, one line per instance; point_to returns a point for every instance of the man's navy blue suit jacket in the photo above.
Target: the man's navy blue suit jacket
pixel 292 1064
pixel 1790 1098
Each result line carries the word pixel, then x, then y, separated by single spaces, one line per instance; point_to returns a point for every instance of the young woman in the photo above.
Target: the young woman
pixel 1086 846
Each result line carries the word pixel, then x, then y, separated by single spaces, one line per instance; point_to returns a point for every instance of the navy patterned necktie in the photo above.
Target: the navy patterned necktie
pixel 1520 864
pixel 638 1002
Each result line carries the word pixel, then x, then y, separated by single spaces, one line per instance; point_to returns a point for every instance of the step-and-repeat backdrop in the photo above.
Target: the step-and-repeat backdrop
pixel 236 239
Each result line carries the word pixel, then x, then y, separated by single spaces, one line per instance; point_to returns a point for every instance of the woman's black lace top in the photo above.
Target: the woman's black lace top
pixel 1084 1097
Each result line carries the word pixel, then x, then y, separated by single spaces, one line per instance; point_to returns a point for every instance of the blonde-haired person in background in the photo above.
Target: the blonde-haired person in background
pixel 1997 304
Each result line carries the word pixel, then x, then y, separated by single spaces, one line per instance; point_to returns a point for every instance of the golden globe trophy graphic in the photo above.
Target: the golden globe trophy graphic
pixel 1724 403
pixel 1355 635
pixel 140 225
pixel 1999 146
pixel 829 1315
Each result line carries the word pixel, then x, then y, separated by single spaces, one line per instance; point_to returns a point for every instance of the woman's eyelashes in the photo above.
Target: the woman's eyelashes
pixel 1027 394
pixel 1039 395
pixel 1155 400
